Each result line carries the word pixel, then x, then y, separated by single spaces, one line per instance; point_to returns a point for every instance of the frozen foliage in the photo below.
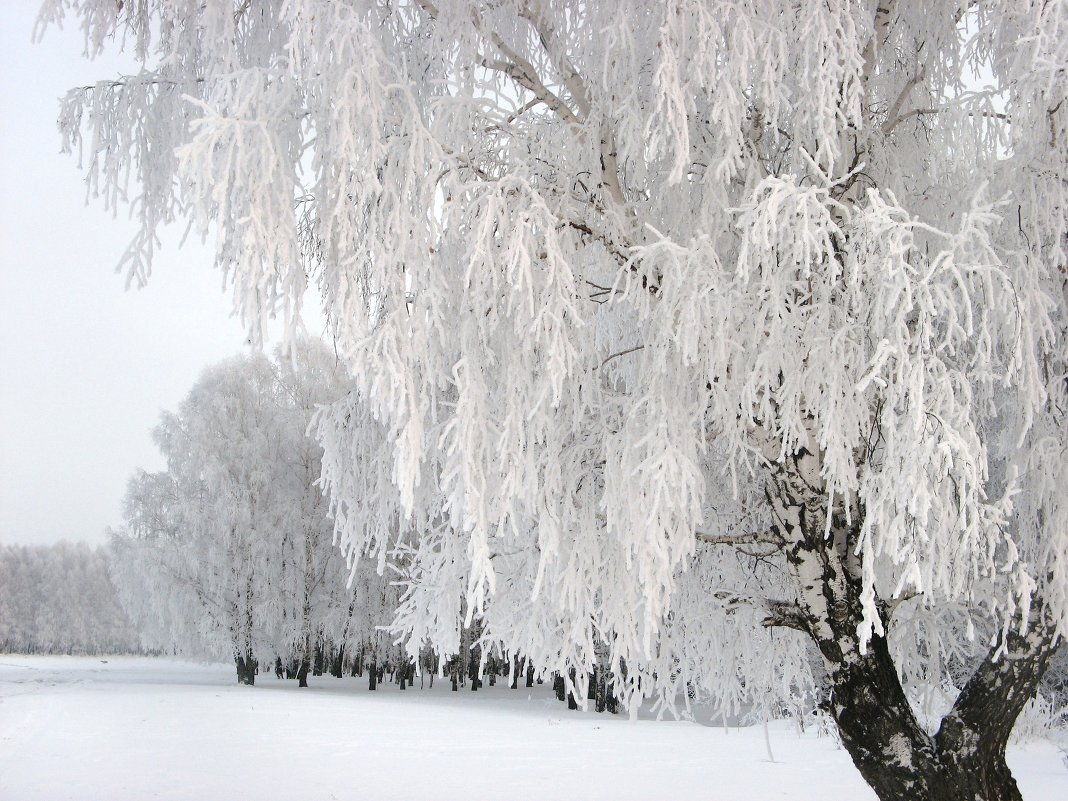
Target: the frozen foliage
pixel 228 552
pixel 59 599
pixel 668 320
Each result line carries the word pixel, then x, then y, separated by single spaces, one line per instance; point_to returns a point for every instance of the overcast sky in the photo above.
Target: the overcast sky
pixel 85 367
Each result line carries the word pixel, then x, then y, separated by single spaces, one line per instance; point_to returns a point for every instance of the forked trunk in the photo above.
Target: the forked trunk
pixel 965 760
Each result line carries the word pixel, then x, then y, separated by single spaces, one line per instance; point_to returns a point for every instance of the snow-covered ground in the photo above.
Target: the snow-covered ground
pixel 131 729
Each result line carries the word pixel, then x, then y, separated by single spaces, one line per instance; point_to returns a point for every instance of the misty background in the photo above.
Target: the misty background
pixel 86 366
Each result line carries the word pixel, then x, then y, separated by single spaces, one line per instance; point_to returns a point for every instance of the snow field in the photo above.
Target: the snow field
pixel 131 728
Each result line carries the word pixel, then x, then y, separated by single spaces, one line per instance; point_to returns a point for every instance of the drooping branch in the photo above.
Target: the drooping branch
pixel 557 53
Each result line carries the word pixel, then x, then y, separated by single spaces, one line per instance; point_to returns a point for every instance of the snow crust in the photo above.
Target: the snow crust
pixel 129 728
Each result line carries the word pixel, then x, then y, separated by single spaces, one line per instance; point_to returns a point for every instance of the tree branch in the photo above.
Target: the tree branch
pixel 768 537
pixel 780 614
pixel 892 116
pixel 522 72
pixel 558 56
pixel 785 614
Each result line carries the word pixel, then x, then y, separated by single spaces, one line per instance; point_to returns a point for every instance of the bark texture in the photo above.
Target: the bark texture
pixel 965 760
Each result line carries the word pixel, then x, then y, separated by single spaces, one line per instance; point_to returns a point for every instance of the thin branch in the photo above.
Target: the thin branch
pixel 914 113
pixel 620 353
pixel 558 56
pixel 887 608
pixel 892 118
pixel 609 245
pixel 748 538
pixel 522 72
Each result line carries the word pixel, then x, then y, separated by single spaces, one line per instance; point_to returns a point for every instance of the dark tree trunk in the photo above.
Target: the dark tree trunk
pixel 337 664
pixel 611 703
pixel 302 673
pixel 472 671
pixel 972 737
pixel 320 657
pixel 515 673
pixel 305 661
pixel 530 674
pixel 965 760
pixel 572 703
pixel 246 669
pixel 372 682
pixel 559 687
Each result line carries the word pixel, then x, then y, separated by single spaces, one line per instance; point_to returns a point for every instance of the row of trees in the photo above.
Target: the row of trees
pixel 59 599
pixel 229 551
pixel 724 342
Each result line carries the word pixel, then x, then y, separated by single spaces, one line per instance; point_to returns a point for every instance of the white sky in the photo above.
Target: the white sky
pixel 85 367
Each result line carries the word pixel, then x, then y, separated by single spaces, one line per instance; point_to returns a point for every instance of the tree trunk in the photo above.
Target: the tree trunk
pixel 473 664
pixel 246 669
pixel 972 737
pixel 965 760
pixel 302 673
pixel 600 694
pixel 337 664
pixel 305 656
pixel 372 672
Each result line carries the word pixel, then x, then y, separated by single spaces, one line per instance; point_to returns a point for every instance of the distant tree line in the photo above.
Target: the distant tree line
pixel 59 599
pixel 229 551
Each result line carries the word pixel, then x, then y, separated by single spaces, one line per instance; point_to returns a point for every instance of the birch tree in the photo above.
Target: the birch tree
pixel 59 599
pixel 741 319
pixel 229 550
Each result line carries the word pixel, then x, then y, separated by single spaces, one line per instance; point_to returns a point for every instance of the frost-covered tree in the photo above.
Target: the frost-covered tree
pixel 689 335
pixel 59 599
pixel 229 550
